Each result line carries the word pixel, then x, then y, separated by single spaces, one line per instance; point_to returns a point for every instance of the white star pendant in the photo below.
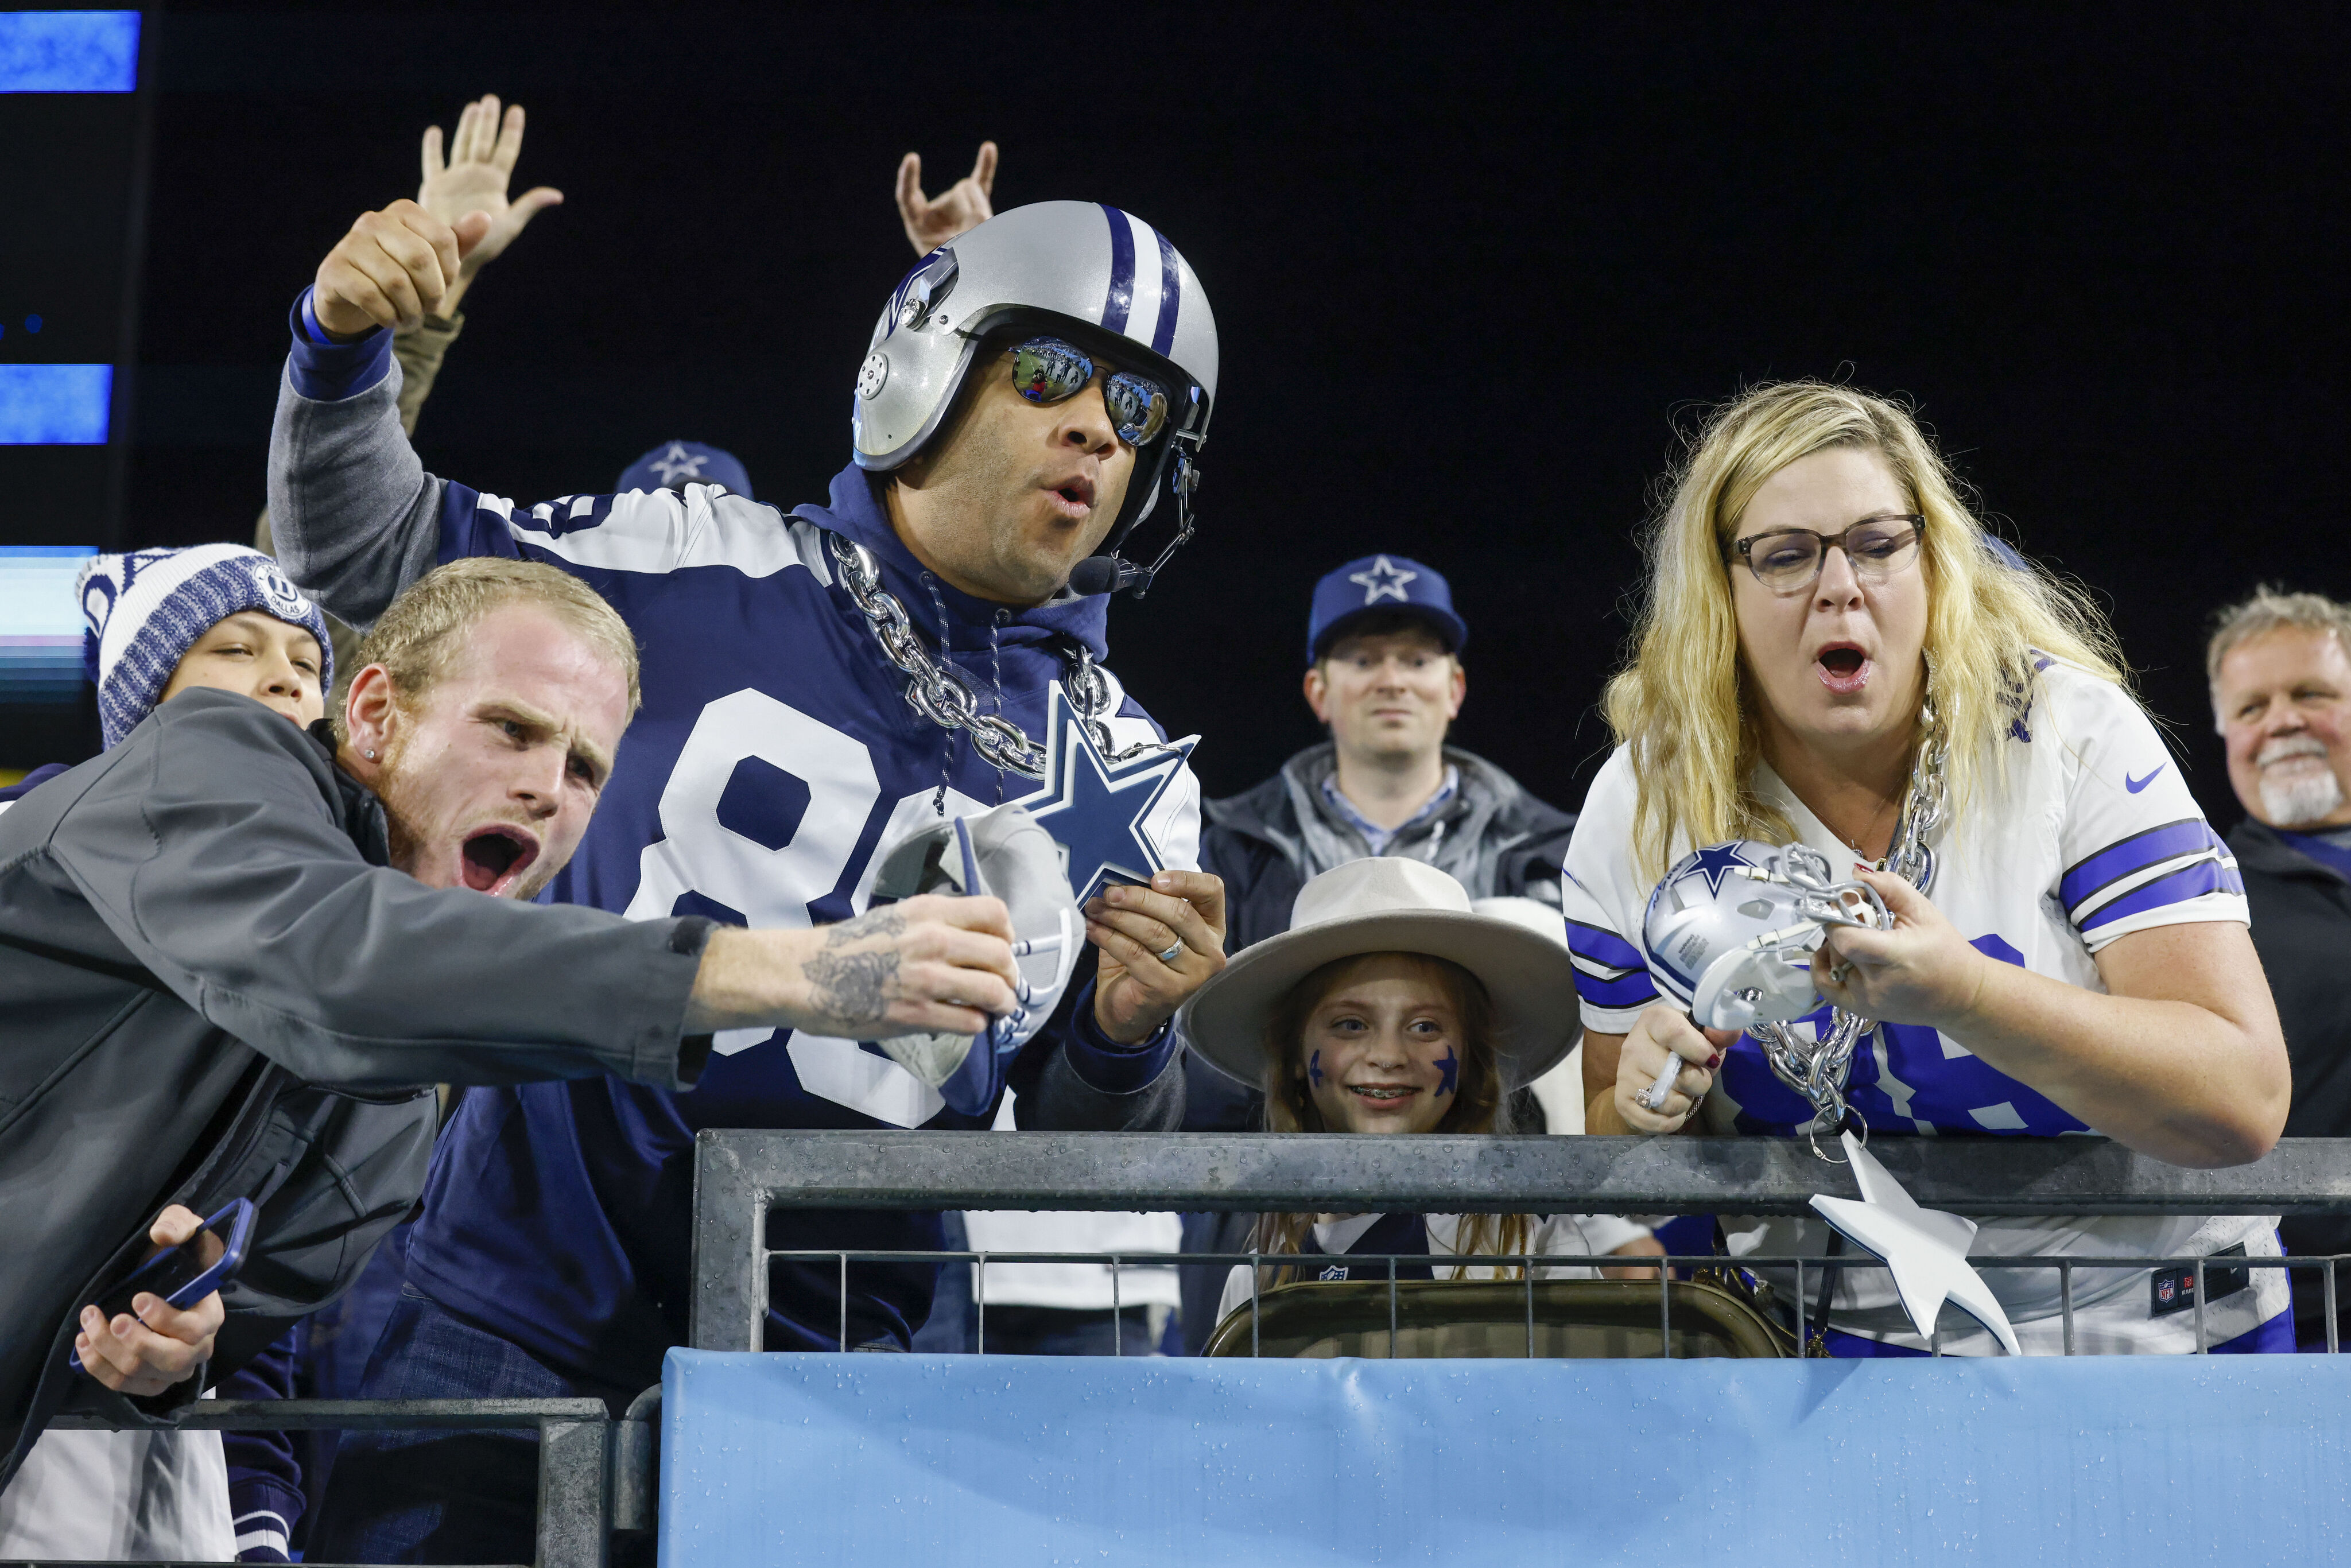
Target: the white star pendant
pixel 1097 810
pixel 1384 581
pixel 1924 1248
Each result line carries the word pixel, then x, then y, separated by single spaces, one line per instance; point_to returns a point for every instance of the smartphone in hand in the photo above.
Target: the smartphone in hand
pixel 185 1274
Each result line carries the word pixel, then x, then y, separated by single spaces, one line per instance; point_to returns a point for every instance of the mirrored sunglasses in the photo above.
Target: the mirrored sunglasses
pixel 1049 370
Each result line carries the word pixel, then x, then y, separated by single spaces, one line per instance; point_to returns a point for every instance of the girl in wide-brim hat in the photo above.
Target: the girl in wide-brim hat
pixel 1390 1006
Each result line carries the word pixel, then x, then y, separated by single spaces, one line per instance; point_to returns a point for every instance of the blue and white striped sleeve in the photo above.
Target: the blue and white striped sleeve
pixel 1603 898
pixel 2135 848
pixel 646 532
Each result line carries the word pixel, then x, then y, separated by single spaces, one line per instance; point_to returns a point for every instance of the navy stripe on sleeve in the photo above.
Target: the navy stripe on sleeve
pixel 1602 946
pixel 2127 857
pixel 2192 880
pixel 1631 989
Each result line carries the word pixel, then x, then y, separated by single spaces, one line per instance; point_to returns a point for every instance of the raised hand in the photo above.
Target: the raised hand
pixel 393 268
pixel 147 1350
pixel 473 179
pixel 931 222
pixel 1159 945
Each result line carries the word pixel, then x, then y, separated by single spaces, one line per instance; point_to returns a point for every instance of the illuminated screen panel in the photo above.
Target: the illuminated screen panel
pixel 41 625
pixel 69 51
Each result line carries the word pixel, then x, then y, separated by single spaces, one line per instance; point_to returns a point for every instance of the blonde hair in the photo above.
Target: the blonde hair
pixel 2270 609
pixel 424 627
pixel 1479 1103
pixel 1682 704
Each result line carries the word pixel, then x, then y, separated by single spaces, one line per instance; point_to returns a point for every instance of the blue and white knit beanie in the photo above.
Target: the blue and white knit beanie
pixel 142 611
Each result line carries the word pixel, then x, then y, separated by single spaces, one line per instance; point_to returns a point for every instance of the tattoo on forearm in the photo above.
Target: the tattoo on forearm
pixel 887 922
pixel 853 985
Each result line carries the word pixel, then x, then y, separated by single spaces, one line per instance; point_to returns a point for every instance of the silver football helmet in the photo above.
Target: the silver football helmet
pixel 1101 278
pixel 1000 854
pixel 1731 932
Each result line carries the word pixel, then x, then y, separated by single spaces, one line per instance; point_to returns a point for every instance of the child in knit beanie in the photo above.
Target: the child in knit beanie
pixel 158 621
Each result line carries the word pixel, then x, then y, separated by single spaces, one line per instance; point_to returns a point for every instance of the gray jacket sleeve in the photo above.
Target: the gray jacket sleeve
pixel 208 848
pixel 356 517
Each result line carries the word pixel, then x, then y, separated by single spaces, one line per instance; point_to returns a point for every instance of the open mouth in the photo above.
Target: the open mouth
pixel 1381 1094
pixel 1843 667
pixel 1076 496
pixel 492 858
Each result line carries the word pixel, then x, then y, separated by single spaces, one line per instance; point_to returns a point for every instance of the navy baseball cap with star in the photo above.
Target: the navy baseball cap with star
pixel 676 462
pixel 1379 583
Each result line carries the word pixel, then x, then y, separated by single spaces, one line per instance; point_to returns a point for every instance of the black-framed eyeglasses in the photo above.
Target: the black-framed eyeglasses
pixel 1789 561
pixel 1049 370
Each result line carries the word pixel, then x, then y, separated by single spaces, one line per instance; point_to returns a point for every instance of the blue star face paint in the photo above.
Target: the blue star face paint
pixel 1314 1070
pixel 1452 1068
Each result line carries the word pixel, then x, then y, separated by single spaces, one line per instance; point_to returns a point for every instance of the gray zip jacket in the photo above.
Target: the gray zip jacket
pixel 212 985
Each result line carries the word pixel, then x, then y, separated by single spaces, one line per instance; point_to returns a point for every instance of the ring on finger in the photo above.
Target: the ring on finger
pixel 1174 951
pixel 1841 973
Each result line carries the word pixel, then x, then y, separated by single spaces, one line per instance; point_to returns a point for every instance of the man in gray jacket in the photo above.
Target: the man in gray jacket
pixel 1383 672
pixel 236 954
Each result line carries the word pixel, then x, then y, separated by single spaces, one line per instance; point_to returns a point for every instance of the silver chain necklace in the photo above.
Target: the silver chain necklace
pixel 1819 1069
pixel 944 696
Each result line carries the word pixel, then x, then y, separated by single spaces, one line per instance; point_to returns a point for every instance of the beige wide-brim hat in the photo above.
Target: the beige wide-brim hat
pixel 1391 905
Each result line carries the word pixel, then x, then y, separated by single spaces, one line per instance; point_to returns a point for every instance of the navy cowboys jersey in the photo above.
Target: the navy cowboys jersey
pixel 774 756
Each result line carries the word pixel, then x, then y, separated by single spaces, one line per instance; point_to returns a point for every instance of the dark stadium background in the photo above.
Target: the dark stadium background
pixel 1470 267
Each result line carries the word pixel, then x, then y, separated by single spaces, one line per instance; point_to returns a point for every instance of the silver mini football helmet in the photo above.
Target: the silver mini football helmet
pixel 1731 932
pixel 1101 278
pixel 1000 854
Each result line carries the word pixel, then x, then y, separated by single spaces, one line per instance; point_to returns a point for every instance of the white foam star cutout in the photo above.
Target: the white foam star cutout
pixel 1924 1248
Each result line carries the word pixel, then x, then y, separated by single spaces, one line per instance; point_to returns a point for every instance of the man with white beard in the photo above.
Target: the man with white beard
pixel 2281 671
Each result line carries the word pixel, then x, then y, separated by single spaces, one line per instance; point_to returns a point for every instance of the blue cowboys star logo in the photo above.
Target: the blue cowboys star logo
pixel 1714 863
pixel 1384 581
pixel 1095 808
pixel 677 464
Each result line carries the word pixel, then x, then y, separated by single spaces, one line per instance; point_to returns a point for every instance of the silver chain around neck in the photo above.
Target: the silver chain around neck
pixel 941 693
pixel 1818 1069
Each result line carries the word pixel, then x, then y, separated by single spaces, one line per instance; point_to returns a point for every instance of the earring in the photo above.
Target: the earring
pixel 371 757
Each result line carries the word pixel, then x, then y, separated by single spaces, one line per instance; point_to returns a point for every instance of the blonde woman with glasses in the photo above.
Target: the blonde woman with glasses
pixel 1829 638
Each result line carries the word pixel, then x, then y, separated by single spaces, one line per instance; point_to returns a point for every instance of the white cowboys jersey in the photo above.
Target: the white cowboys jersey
pixel 2092 835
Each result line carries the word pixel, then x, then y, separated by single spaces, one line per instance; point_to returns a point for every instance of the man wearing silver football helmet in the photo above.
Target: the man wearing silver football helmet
pixel 819 683
pixel 1094 359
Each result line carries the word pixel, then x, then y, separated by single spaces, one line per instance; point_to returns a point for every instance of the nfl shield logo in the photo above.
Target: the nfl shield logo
pixel 2166 1289
pixel 1335 1271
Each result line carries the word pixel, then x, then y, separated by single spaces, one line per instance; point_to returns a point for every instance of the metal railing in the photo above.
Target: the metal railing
pixel 595 1474
pixel 740 1176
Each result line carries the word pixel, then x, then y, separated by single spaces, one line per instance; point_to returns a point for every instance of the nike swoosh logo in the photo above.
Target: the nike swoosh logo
pixel 2136 785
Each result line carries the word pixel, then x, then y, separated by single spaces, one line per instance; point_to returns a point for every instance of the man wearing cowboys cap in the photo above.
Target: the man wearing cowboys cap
pixel 1384 674
pixel 819 683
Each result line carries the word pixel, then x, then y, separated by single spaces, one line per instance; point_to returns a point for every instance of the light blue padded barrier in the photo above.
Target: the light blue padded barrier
pixel 2239 1459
